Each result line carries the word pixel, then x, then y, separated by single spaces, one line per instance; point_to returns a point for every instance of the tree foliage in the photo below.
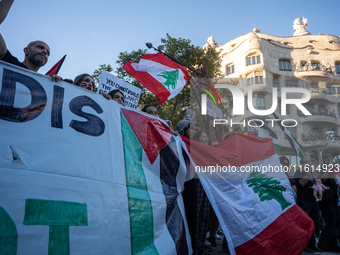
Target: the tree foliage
pixel 200 63
pixel 96 73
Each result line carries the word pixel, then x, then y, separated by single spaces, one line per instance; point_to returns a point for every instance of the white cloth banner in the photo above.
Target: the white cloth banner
pixel 62 171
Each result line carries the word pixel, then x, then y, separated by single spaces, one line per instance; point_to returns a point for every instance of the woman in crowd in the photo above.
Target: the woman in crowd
pixel 202 137
pixel 150 109
pixel 115 95
pixel 284 161
pixel 85 81
pixel 186 128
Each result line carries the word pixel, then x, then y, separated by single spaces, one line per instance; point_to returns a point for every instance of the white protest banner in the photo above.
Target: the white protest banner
pixel 67 161
pixel 110 82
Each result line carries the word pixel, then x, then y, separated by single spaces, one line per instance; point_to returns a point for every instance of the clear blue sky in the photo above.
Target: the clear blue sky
pixel 94 32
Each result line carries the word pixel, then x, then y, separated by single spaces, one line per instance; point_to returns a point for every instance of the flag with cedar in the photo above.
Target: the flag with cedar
pixel 254 205
pixel 55 69
pixel 267 188
pixel 162 76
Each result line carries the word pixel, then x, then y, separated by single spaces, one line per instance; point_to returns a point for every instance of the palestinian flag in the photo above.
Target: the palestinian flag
pixel 292 140
pixel 265 132
pixel 55 69
pixel 162 76
pixel 155 175
pixel 251 197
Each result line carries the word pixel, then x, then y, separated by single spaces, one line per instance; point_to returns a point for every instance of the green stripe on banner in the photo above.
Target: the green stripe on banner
pixel 277 148
pixel 140 207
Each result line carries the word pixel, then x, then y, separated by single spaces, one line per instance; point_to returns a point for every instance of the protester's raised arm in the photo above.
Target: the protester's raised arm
pixel 5 5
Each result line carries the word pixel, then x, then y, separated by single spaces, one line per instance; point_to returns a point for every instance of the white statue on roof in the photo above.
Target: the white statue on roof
pixel 211 42
pixel 299 26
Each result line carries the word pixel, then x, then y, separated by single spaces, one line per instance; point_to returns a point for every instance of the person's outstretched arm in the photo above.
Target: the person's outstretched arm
pixel 5 5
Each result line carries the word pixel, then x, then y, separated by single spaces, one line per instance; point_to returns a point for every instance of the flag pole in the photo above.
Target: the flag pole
pixel 160 50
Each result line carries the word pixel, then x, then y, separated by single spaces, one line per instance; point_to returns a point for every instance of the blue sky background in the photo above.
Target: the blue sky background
pixel 94 32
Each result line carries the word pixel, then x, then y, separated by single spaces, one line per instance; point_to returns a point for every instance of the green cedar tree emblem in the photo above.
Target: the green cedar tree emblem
pixel 171 78
pixel 267 188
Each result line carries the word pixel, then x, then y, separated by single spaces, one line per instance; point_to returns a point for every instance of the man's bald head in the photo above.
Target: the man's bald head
pixel 34 43
pixel 36 54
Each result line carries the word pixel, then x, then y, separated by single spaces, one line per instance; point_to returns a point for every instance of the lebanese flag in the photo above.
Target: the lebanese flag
pixel 255 206
pixel 55 69
pixel 162 76
pixel 155 175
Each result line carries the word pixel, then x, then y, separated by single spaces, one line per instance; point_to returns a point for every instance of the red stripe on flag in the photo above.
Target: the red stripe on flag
pixel 244 150
pixel 152 134
pixel 149 82
pixel 288 234
pixel 160 58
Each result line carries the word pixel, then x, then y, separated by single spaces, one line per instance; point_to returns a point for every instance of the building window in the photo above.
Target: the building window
pixel 284 65
pixel 287 109
pixel 315 66
pixel 291 86
pixel 258 102
pixel 276 83
pixel 339 110
pixel 333 90
pixel 337 67
pixel 258 79
pixel 250 81
pixel 252 60
pixel 230 69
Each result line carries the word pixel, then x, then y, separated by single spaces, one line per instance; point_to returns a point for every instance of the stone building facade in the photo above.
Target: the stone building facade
pixel 260 61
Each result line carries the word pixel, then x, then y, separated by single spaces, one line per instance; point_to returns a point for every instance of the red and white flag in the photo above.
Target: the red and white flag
pixel 162 76
pixel 251 196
